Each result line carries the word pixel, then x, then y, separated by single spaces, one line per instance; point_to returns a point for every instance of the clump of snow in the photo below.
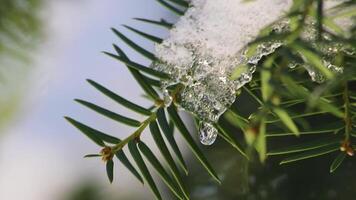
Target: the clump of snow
pixel 208 43
pixel 221 28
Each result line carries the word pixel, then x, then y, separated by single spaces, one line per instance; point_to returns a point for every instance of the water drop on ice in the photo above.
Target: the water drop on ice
pixel 292 65
pixel 207 133
pixel 167 99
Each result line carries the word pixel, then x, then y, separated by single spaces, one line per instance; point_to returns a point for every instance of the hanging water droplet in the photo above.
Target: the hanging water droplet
pixel 207 133
pixel 292 65
pixel 167 99
pixel 316 76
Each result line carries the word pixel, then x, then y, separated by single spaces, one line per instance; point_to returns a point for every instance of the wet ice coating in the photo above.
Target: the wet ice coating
pixel 206 45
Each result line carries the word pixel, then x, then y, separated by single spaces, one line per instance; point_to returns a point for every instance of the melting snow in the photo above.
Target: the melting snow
pixel 207 43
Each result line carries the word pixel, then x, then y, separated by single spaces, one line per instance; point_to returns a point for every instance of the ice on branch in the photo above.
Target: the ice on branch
pixel 208 43
pixel 205 46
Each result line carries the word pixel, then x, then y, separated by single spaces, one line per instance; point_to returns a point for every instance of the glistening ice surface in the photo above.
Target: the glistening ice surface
pixel 203 49
pixel 208 43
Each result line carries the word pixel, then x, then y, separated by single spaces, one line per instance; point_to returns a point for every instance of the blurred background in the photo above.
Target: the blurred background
pixel 47 50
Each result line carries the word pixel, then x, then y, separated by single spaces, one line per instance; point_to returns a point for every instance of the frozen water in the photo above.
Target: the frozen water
pixel 167 99
pixel 329 50
pixel 209 42
pixel 208 97
pixel 207 133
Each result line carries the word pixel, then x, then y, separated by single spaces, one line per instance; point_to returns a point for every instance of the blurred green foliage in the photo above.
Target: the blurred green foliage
pixel 307 180
pixel 20 30
pixel 19 24
pixel 86 191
